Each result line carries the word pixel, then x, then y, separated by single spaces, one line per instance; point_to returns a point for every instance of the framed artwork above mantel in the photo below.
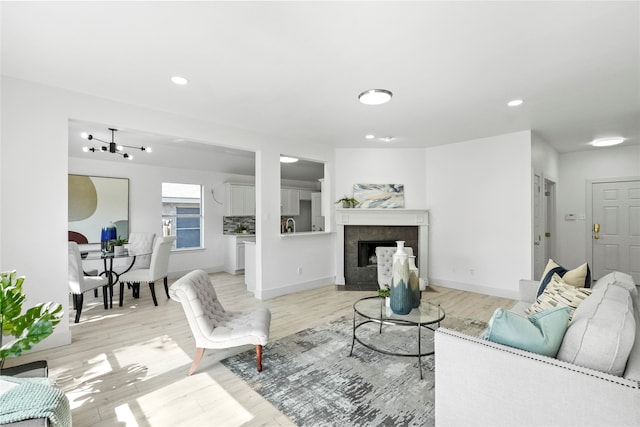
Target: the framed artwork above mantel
pixel 379 195
pixel 94 202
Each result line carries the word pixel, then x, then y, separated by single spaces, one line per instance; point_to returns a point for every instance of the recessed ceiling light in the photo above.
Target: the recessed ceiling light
pixel 515 102
pixel 607 142
pixel 369 136
pixel 287 159
pixel 387 138
pixel 375 96
pixel 179 80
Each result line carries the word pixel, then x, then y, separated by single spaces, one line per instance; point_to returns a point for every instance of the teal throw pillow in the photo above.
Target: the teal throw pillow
pixel 540 333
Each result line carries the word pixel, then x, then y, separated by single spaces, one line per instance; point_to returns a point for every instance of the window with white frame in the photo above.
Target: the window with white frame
pixel 182 214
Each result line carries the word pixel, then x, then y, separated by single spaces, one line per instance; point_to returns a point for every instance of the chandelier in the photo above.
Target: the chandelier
pixel 111 147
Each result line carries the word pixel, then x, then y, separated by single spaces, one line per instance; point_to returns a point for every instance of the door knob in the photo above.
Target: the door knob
pixel 596 237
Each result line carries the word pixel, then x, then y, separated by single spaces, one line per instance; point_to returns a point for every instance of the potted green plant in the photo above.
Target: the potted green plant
pixel 347 202
pixel 27 329
pixel 386 294
pixel 118 245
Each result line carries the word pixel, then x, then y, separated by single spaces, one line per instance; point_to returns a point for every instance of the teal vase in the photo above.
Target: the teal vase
pixel 401 296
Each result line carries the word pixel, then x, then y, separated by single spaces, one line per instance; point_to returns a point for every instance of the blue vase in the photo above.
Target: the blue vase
pixel 109 233
pixel 401 295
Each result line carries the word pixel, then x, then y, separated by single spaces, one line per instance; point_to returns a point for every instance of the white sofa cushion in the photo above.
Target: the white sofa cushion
pixel 602 331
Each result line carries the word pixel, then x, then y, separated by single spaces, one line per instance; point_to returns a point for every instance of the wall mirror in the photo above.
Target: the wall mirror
pixel 94 202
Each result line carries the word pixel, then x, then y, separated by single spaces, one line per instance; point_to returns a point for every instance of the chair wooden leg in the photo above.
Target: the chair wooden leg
pixel 196 360
pixel 259 357
pixel 105 291
pixel 121 293
pixel 166 286
pixel 135 289
pixel 79 300
pixel 152 286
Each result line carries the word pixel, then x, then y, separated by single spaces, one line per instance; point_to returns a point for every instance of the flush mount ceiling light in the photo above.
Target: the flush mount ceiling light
pixel 515 102
pixel 375 96
pixel 111 147
pixel 607 142
pixel 369 136
pixel 387 138
pixel 179 80
pixel 287 159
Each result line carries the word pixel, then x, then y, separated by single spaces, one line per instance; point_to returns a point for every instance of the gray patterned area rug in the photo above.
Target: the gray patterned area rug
pixel 310 377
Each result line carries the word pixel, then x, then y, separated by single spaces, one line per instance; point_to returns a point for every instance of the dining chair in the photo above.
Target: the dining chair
pixel 138 242
pixel 79 283
pixel 158 269
pixel 214 327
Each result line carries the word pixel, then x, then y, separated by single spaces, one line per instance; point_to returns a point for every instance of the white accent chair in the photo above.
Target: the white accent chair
pixel 214 327
pixel 158 269
pixel 79 283
pixel 384 259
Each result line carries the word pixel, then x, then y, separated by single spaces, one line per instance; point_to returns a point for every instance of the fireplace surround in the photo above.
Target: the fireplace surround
pixel 360 241
pixel 393 223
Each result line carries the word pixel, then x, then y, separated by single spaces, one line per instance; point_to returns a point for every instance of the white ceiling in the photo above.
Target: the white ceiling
pixel 294 69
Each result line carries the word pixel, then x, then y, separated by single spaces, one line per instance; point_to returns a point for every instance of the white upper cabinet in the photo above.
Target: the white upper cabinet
pixel 289 201
pixel 240 200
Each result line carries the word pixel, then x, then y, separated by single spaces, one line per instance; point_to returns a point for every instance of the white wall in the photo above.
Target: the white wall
pixel 575 170
pixel 479 201
pixel 382 166
pixel 33 176
pixel 479 198
pixel 544 158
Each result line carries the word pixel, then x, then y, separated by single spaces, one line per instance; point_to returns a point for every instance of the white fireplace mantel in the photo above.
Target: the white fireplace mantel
pixel 396 216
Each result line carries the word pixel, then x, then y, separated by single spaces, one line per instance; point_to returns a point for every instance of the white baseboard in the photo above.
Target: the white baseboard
pixel 296 287
pixel 179 274
pixel 479 289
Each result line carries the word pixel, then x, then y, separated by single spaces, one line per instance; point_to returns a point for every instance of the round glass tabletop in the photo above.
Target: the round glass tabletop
pixel 374 308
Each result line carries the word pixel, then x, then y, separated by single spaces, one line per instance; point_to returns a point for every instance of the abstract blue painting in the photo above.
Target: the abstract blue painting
pixel 379 195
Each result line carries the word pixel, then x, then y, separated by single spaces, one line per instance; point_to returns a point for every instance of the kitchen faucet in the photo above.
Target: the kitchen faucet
pixel 293 221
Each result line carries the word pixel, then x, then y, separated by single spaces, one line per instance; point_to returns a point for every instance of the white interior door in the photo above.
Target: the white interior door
pixel 544 220
pixel 615 229
pixel 549 208
pixel 538 226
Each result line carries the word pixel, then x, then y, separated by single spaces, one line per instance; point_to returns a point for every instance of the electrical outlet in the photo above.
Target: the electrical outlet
pixel 299 271
pixel 472 271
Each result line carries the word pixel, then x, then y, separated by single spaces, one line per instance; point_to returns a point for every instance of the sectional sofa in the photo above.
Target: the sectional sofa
pixel 593 381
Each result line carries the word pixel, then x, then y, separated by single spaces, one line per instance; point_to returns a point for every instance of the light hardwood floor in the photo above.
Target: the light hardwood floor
pixel 127 366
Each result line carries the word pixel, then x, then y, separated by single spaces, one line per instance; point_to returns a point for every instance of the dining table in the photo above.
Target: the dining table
pixel 96 254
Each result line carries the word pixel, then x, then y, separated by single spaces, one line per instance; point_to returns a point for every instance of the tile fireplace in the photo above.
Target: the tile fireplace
pixel 359 231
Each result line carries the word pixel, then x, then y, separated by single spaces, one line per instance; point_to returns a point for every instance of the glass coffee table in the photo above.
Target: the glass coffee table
pixel 373 310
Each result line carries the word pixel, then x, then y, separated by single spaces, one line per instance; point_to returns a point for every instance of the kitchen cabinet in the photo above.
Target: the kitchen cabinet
pixel 289 201
pixel 317 220
pixel 235 254
pixel 240 200
pixel 305 194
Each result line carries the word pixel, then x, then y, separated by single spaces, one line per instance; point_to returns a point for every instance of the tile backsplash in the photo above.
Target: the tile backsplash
pixel 230 224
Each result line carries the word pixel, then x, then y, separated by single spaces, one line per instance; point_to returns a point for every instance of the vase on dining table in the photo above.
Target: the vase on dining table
pixel 108 234
pixel 401 297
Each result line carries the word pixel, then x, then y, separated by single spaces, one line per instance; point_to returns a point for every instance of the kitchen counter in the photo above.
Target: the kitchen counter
pixel 307 233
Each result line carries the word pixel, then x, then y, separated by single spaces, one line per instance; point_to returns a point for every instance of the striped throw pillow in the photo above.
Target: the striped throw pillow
pixel 558 293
